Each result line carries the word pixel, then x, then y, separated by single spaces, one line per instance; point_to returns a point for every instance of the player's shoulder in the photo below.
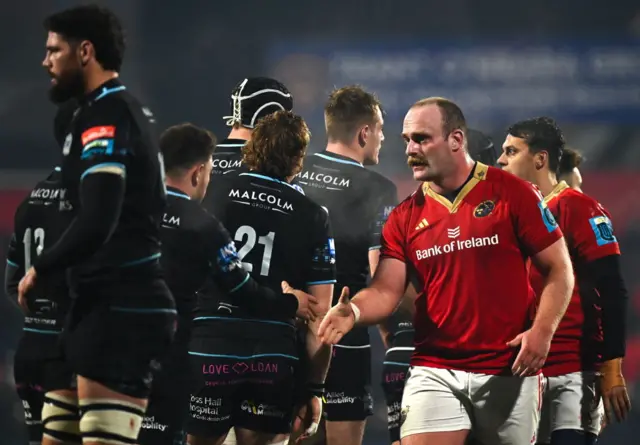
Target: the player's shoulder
pixel 580 202
pixel 381 182
pixel 120 103
pixel 506 183
pixel 415 199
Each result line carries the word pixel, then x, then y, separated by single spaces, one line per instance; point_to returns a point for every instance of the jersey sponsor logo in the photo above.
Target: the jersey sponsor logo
pixel 98 144
pixel 387 211
pixel 225 164
pixel 171 220
pixel 603 230
pixel 66 148
pixel 323 180
pixel 484 209
pixel 150 423
pixel 261 200
pixel 326 254
pixel 48 194
pixel 93 133
pixel 549 221
pixel 262 409
pixel 456 245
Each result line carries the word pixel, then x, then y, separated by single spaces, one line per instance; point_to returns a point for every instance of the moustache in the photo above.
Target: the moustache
pixel 413 161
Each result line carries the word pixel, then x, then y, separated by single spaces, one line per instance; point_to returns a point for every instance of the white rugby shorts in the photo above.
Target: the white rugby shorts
pixel 498 410
pixel 570 402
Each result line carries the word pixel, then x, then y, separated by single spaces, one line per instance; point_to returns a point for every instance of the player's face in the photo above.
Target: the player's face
pixel 202 176
pixel 64 66
pixel 375 137
pixel 428 152
pixel 517 159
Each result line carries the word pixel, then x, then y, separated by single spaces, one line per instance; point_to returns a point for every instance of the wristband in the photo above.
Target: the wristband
pixel 316 389
pixel 356 312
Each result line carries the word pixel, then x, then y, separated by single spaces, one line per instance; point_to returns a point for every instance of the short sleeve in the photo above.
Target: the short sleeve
pixel 393 240
pixel 535 225
pixel 107 139
pixel 322 268
pixel 591 231
pixel 388 201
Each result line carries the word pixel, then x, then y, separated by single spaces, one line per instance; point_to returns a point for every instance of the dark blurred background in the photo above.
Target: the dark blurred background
pixel 501 60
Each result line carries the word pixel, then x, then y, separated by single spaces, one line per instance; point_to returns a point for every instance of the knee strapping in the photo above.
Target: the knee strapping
pixel 573 437
pixel 112 420
pixel 60 418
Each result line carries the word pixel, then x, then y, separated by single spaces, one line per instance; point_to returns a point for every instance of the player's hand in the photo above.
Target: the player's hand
pixel 614 391
pixel 308 418
pixel 339 320
pixel 307 304
pixel 25 285
pixel 534 347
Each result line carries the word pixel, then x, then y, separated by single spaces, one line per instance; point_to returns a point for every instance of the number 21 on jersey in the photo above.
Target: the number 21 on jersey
pixel 249 234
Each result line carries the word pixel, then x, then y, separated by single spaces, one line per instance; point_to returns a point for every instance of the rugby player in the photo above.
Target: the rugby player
pixel 38 223
pixel 358 202
pixel 397 331
pixel 569 168
pixel 247 362
pixel 533 151
pixel 467 233
pixel 122 318
pixel 196 247
pixel 251 100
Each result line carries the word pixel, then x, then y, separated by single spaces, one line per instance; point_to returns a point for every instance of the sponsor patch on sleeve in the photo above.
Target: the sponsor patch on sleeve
pixel 603 230
pixel 101 132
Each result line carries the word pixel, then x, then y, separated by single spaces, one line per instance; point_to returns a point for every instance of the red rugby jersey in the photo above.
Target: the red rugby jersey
pixel 587 229
pixel 471 257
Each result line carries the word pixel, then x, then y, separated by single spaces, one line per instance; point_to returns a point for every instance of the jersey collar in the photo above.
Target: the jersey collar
pixel 557 191
pixel 109 87
pixel 172 191
pixel 230 146
pixel 335 157
pixel 479 174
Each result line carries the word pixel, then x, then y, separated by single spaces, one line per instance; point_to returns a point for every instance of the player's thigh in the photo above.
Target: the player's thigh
pixel 29 378
pixel 214 393
pixel 544 423
pixel 506 408
pixel 348 385
pixel 575 405
pixel 61 417
pixel 393 379
pixel 268 395
pixel 434 401
pixel 119 347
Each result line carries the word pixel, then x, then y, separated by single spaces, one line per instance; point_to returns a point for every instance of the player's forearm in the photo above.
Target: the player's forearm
pixel 319 354
pixel 255 297
pixel 614 299
pixel 12 277
pixel 375 305
pixel 102 196
pixel 555 297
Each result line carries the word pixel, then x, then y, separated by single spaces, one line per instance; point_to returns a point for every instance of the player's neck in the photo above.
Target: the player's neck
pixel 346 151
pixel 95 78
pixel 456 179
pixel 178 184
pixel 240 133
pixel 546 182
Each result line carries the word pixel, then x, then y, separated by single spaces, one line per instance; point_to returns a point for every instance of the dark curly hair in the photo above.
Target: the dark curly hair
pixel 278 145
pixel 95 24
pixel 541 134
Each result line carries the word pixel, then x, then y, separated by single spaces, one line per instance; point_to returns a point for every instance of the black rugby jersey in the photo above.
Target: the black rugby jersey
pixel 280 235
pixel 197 248
pixel 111 132
pixel 227 158
pixel 358 201
pixel 38 223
